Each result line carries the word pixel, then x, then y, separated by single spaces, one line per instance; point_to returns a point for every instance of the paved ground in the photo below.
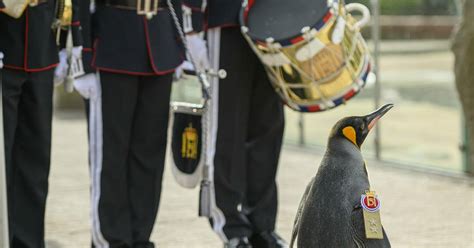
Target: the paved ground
pixel 419 210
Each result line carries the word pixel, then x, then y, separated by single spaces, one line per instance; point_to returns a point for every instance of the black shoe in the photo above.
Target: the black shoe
pixel 267 240
pixel 241 242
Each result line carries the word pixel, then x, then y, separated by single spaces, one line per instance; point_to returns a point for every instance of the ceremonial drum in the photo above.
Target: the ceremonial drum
pixel 312 50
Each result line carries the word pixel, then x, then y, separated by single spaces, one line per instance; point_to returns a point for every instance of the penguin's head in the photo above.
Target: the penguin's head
pixel 356 128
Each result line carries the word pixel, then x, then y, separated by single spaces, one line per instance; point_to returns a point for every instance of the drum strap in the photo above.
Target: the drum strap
pixel 207 199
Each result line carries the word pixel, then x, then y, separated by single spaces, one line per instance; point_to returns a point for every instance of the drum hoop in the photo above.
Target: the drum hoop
pixel 350 91
pixel 325 103
pixel 328 101
pixel 356 40
pixel 330 14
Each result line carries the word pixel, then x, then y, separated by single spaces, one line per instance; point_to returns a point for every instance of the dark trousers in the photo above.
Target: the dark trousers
pixel 127 179
pixel 27 114
pixel 249 138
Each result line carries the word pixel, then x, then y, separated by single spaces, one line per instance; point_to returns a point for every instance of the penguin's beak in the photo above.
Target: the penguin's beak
pixel 372 118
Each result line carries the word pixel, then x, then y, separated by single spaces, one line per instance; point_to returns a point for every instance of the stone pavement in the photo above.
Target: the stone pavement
pixel 418 210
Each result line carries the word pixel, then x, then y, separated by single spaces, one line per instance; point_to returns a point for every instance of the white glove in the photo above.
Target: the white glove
pixel 76 52
pixel 76 68
pixel 198 51
pixel 87 86
pixel 62 69
pixel 1 60
pixel 186 65
pixel 60 73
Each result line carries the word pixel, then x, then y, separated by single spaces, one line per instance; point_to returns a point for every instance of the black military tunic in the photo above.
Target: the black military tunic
pixel 250 126
pixel 29 43
pixel 135 58
pixel 131 44
pixel 31 54
pixel 86 20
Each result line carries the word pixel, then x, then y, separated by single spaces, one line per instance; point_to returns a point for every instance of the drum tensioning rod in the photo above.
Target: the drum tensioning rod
pixel 4 238
pixel 375 28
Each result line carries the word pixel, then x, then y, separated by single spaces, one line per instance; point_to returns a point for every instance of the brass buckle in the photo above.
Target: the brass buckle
pixel 149 8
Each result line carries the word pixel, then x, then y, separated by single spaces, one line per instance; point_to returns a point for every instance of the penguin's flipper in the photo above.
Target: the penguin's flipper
pixel 358 232
pixel 296 224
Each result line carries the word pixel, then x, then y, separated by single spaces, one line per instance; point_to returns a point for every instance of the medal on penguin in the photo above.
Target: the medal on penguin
pixel 339 208
pixel 371 209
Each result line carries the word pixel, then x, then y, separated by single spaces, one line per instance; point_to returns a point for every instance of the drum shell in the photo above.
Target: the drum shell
pixel 330 75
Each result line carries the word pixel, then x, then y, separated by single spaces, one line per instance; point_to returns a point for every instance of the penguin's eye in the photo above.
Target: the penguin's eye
pixel 362 126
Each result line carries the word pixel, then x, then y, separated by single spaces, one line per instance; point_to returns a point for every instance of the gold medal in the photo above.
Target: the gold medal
pixel 371 209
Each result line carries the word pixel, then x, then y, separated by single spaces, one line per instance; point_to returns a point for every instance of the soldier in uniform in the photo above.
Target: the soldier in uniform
pixel 135 55
pixel 250 125
pixel 31 54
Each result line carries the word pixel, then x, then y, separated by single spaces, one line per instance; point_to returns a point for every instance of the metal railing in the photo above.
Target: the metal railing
pixel 375 7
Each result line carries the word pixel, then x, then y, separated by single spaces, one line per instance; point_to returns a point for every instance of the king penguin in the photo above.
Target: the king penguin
pixel 330 214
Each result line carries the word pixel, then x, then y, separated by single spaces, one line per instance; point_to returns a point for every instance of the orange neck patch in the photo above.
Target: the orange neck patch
pixel 350 133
